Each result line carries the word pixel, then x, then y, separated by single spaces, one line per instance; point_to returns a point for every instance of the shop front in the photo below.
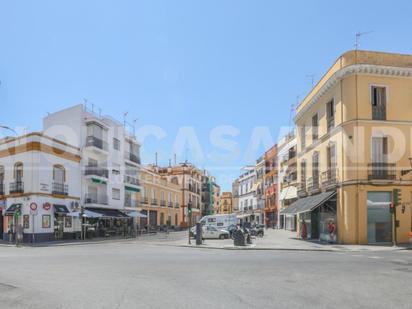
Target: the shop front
pixel 379 217
pixel 99 222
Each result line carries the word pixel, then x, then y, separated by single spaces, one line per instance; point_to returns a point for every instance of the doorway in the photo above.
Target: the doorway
pixel 379 217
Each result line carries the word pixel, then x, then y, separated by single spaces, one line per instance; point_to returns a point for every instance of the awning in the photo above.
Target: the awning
pixel 131 189
pixel 60 209
pixel 13 209
pixel 308 203
pixel 110 213
pixel 289 193
pixel 243 216
pixel 136 214
pixel 86 214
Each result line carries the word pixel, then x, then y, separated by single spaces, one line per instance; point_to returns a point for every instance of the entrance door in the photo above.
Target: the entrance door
pixel 153 218
pixel 379 217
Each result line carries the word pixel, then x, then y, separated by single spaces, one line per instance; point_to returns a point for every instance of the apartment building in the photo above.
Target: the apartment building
pixel 39 188
pixel 245 192
pixel 271 191
pixel 216 196
pixel 226 203
pixel 189 178
pixel 354 149
pixel 287 180
pixel 210 193
pixel 260 169
pixel 160 199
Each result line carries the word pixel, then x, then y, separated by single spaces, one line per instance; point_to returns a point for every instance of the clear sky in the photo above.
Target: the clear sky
pixel 185 68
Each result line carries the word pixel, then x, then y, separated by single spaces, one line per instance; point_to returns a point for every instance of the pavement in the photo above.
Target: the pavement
pixel 152 273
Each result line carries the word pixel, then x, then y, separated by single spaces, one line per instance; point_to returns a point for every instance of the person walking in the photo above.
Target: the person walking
pixel 304 230
pixel 332 230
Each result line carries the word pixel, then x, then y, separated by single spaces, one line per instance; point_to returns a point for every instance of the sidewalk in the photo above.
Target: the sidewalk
pixel 286 240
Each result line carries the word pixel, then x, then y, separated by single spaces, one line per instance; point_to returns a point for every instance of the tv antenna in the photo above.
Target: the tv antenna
pixel 358 37
pixel 312 78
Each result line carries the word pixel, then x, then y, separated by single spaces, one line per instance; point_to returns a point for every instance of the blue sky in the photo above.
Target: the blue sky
pixel 192 64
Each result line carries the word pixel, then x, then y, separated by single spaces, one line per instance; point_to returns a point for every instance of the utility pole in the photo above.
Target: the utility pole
pixel 358 36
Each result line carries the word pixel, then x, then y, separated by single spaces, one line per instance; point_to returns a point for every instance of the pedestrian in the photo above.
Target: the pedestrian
pixel 304 230
pixel 332 230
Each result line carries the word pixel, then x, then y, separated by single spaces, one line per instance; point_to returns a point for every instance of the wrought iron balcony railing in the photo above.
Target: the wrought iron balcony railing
pixel 329 178
pixel 144 200
pixel 92 170
pixel 131 180
pixel 132 157
pixel 91 198
pixel 60 188
pixel 381 171
pixel 93 141
pixel 16 187
pixel 2 188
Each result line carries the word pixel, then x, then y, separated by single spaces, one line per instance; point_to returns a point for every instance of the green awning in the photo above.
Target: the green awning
pixel 95 180
pixel 131 189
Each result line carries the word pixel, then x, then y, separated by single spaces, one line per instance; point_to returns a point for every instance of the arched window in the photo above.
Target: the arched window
pixel 18 172
pixel 59 174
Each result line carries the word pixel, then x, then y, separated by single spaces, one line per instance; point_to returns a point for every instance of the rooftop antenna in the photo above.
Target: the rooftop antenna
pixel 175 159
pixel 124 118
pixel 134 126
pixel 312 79
pixel 358 37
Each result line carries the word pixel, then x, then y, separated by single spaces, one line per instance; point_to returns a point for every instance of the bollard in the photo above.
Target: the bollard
pixel 199 236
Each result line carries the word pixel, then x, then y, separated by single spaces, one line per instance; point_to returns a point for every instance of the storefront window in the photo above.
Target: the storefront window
pixel 379 217
pixel 26 221
pixel 68 222
pixel 45 223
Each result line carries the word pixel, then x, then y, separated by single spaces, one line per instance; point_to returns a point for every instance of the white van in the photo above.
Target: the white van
pixel 219 221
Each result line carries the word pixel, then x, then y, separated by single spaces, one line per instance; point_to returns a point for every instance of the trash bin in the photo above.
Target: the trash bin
pixel 199 236
pixel 238 238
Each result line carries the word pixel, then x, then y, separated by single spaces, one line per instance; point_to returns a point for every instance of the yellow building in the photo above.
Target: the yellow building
pixel 225 203
pixel 160 199
pixel 354 145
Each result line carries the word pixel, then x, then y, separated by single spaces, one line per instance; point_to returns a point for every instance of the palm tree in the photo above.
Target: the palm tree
pixel 7 128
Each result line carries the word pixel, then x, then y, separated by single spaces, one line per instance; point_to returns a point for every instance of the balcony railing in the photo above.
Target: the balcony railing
pixel 2 188
pixel 132 157
pixel 144 200
pixel 16 187
pixel 131 180
pixel 60 188
pixel 331 123
pixel 177 205
pixel 96 199
pixel 302 191
pixel 329 178
pixel 96 171
pixel 170 204
pixel 381 171
pixel 313 184
pixel 92 141
pixel 154 201
pixel 163 203
pixel 131 203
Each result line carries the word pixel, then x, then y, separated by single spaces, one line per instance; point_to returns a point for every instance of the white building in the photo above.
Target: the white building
pixel 246 193
pixel 81 162
pixel 39 186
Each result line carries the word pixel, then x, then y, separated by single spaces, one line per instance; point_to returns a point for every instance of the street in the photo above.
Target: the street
pixel 156 274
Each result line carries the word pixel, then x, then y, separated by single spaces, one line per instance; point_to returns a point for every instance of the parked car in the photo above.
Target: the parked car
pixel 211 232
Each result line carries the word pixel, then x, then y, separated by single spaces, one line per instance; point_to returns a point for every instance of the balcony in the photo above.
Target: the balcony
pixel 132 157
pixel 313 185
pixel 381 171
pixel 96 171
pixel 302 192
pixel 131 203
pixel 170 204
pixel 92 141
pixel 177 205
pixel 60 188
pixel 329 178
pixel 163 203
pixel 131 180
pixel 16 187
pixel 2 188
pixel 92 198
pixel 154 201
pixel 330 123
pixel 144 200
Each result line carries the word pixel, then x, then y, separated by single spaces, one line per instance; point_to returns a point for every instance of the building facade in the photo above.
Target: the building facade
pixel 226 203
pixel 160 200
pixel 270 190
pixel 354 149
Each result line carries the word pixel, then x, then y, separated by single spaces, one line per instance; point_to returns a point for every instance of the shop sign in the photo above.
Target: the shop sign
pixel 44 187
pixel 46 206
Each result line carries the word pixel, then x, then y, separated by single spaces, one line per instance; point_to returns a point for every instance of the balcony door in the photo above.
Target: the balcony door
pixel 379 157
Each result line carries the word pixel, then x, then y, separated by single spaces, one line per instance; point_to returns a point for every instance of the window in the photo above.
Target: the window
pixel 315 127
pixel 302 138
pixel 330 114
pixel 59 174
pixel 303 173
pixel 116 194
pixel 378 97
pixel 68 222
pixel 116 144
pixel 26 221
pixel 315 169
pixel 18 172
pixel 45 222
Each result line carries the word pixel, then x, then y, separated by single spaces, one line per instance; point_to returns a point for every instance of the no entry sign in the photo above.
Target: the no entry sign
pixel 46 206
pixel 33 206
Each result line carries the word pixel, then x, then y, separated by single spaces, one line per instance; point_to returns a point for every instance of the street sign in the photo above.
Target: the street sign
pixel 33 212
pixel 33 206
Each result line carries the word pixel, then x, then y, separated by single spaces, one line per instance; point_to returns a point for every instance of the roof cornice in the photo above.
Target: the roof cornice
pixel 365 69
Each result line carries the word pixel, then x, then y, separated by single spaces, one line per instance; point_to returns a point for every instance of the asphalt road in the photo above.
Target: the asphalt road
pixel 144 275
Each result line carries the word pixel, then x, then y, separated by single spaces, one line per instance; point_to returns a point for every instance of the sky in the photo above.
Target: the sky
pixel 212 81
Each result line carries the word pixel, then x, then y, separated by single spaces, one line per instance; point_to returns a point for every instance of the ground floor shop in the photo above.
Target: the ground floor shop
pixel 271 218
pixel 159 218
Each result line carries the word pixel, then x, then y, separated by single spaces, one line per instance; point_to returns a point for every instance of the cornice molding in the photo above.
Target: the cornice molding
pixel 366 69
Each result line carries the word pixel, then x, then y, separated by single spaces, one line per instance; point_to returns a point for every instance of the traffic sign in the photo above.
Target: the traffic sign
pixel 46 206
pixel 33 206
